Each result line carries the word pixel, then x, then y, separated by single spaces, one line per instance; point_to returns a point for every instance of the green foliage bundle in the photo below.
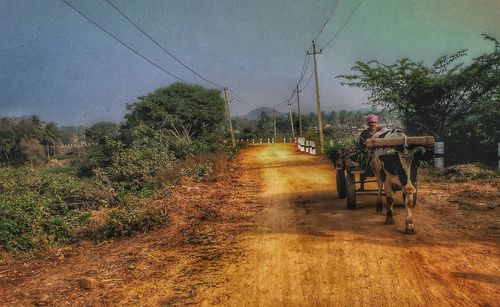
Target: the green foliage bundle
pixel 341 147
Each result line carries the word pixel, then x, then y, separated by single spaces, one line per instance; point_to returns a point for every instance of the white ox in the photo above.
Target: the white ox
pixel 396 169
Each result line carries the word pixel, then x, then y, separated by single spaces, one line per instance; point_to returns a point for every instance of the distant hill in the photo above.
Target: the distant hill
pixel 255 114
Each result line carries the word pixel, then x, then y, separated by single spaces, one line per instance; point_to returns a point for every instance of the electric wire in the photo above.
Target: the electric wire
pixel 160 46
pixel 304 68
pixel 335 5
pixel 310 77
pixel 243 100
pixel 125 45
pixel 342 27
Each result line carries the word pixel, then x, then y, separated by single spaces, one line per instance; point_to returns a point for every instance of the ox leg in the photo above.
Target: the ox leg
pixel 389 193
pixel 410 229
pixel 380 185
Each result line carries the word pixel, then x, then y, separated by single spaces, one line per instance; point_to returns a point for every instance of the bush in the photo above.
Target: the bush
pixel 129 220
pixel 30 222
pixel 40 208
pixel 200 172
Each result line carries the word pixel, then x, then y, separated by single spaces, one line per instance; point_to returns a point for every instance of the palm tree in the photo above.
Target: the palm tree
pixel 51 136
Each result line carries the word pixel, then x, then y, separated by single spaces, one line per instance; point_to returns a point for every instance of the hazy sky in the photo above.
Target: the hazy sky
pixel 56 64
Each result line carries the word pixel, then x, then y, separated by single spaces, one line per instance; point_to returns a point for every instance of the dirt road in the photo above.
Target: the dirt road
pixel 302 248
pixel 309 250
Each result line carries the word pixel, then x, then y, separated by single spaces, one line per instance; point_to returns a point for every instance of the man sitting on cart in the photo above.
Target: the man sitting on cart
pixel 362 154
pixel 372 122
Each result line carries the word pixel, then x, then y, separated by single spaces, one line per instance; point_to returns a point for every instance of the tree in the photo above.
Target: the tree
pixel 102 130
pixel 343 118
pixel 7 137
pixel 189 111
pixel 333 119
pixel 51 136
pixel 31 150
pixel 430 100
pixel 264 124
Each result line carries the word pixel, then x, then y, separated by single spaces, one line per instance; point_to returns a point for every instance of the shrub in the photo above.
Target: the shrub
pixel 200 172
pixel 129 220
pixel 38 208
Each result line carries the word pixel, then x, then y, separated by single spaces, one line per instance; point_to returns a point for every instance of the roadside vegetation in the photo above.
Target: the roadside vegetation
pixel 105 190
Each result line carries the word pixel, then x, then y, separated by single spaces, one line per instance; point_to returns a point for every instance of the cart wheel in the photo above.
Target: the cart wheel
pixel 341 184
pixel 351 191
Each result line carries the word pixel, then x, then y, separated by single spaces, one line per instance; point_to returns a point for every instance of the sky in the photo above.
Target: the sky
pixel 55 63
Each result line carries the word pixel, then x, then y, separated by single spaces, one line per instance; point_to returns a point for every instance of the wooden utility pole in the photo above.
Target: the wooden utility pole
pixel 274 123
pixel 298 109
pixel 291 119
pixel 318 104
pixel 229 122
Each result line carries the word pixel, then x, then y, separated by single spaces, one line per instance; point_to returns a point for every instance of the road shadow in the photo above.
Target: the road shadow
pixel 323 214
pixel 492 279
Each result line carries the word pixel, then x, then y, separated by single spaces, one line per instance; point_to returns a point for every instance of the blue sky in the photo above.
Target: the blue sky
pixel 56 64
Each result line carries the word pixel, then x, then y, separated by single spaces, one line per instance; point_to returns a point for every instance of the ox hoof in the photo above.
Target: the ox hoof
pixel 379 207
pixel 389 221
pixel 410 231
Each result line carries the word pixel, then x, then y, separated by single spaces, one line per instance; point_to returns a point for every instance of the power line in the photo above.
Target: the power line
pixel 161 47
pixel 335 5
pixel 130 48
pixel 173 56
pixel 283 103
pixel 241 103
pixel 146 59
pixel 243 100
pixel 304 69
pixel 309 80
pixel 345 23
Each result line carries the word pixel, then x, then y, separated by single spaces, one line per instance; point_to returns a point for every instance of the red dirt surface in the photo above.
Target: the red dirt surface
pixel 274 233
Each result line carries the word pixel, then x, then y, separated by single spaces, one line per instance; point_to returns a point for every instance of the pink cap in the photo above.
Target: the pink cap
pixel 371 118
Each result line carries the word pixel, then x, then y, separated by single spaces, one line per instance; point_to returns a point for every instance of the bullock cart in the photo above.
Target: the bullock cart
pixel 353 175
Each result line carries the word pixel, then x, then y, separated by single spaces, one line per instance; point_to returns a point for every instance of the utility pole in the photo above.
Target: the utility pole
pixel 230 124
pixel 274 123
pixel 318 104
pixel 298 109
pixel 291 119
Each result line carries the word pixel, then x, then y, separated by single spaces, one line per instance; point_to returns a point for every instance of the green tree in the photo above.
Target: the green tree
pixel 333 119
pixel 31 150
pixel 102 130
pixel 51 136
pixel 265 123
pixel 343 118
pixel 7 138
pixel 430 99
pixel 189 111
